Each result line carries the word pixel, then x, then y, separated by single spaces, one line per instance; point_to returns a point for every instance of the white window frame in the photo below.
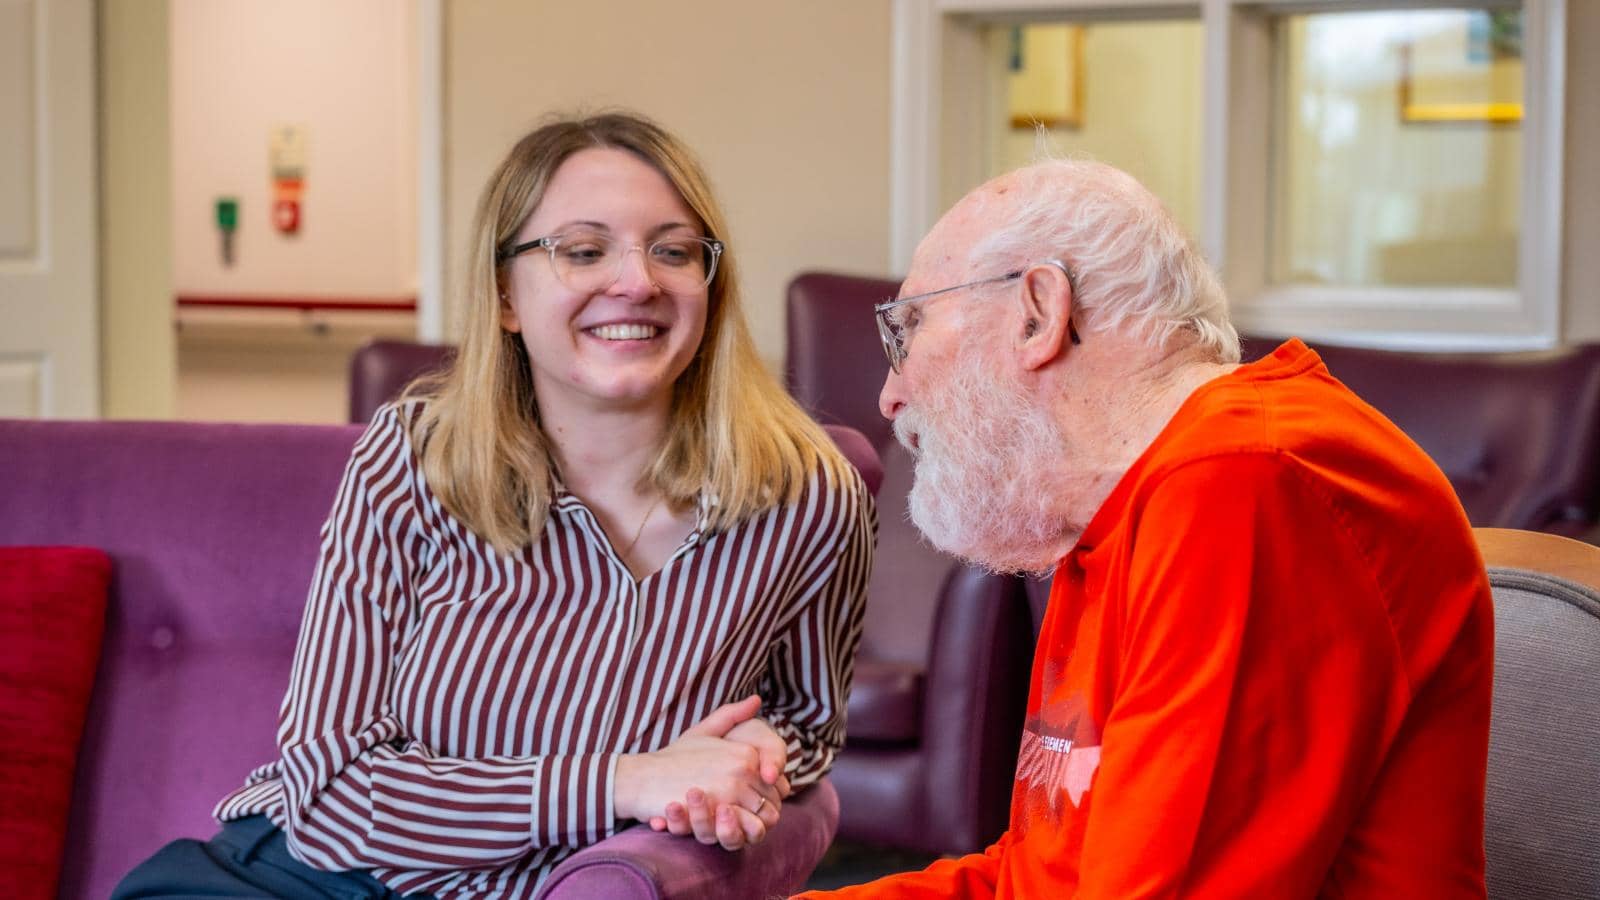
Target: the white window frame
pixel 430 61
pixel 936 66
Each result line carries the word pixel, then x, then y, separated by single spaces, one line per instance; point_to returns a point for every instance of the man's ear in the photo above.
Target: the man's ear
pixel 1047 301
pixel 508 313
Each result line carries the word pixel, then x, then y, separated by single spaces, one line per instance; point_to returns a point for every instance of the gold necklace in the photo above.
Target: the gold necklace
pixel 642 522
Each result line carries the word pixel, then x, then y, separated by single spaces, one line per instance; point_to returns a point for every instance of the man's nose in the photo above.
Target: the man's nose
pixel 892 398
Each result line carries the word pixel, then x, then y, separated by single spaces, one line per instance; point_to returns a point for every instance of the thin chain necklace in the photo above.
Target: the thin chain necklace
pixel 642 522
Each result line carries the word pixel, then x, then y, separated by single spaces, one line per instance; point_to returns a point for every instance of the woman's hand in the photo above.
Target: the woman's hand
pixel 774 751
pixel 707 821
pixel 720 778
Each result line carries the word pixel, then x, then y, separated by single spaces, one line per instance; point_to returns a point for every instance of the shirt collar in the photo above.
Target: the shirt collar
pixel 566 503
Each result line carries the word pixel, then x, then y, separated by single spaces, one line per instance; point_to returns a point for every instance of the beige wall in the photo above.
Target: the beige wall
pixel 344 71
pixel 138 372
pixel 786 104
pixel 1141 110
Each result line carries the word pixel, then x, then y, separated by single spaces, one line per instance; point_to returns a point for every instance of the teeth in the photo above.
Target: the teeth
pixel 625 332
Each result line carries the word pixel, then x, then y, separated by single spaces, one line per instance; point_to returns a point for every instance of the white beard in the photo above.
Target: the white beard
pixel 989 470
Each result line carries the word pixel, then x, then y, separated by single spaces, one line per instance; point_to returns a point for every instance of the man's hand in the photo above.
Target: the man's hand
pixel 721 780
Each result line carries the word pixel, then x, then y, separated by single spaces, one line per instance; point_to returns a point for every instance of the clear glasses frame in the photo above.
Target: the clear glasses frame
pixel 712 249
pixel 893 335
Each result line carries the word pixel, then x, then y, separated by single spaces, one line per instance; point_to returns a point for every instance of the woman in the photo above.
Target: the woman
pixel 554 577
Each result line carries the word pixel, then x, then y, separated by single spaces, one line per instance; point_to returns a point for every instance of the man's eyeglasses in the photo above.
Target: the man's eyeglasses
pixel 590 263
pixel 897 319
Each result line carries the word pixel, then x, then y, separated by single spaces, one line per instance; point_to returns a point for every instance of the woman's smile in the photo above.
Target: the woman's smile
pixel 624 332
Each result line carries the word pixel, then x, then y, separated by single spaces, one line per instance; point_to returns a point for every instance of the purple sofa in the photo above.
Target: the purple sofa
pixel 213 531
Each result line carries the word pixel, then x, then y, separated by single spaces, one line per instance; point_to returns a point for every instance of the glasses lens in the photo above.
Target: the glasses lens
pixel 586 262
pixel 890 338
pixel 593 262
pixel 682 264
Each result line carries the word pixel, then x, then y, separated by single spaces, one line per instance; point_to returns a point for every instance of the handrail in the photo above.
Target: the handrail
pixel 303 304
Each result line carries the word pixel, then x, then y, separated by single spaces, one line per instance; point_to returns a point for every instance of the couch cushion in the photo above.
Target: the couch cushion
pixel 885 702
pixel 52 614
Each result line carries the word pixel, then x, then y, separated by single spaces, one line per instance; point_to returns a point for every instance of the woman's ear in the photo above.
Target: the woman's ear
pixel 508 313
pixel 1046 315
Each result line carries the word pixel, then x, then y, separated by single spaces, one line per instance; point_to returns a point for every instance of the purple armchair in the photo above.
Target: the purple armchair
pixel 941 681
pixel 213 533
pixel 380 369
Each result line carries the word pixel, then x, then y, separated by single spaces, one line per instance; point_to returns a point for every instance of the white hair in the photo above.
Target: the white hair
pixel 988 479
pixel 1132 265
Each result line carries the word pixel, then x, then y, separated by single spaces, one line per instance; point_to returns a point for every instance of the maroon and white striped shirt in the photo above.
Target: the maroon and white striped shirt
pixel 454 714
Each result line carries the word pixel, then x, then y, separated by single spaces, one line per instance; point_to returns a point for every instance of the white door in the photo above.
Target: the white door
pixel 49 252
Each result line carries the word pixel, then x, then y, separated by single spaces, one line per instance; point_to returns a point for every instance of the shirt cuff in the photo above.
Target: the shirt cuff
pixel 572 802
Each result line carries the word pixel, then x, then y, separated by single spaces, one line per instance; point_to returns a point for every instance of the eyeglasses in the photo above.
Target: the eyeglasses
pixel 591 263
pixel 897 320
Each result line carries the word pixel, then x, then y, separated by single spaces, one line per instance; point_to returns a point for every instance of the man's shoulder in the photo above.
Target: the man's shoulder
pixel 1224 424
pixel 1307 417
pixel 1310 445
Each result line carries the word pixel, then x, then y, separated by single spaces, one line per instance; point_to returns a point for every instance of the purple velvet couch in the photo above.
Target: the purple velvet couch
pixel 213 531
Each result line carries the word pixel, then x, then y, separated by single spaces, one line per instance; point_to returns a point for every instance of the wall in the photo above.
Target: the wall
pixel 138 365
pixel 343 70
pixel 1141 110
pixel 787 106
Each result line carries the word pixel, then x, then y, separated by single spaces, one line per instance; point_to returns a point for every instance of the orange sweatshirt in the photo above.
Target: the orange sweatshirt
pixel 1264 670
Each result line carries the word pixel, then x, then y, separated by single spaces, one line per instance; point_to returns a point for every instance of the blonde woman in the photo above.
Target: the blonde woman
pixel 602 570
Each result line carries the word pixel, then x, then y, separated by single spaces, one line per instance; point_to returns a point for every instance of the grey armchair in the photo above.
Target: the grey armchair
pixel 1544 742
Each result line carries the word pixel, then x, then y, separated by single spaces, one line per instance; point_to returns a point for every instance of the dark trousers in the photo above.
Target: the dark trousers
pixel 248 858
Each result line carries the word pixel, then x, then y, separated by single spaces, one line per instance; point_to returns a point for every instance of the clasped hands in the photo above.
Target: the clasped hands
pixel 721 781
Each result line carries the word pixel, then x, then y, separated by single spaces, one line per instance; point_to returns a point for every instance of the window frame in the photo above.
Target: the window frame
pixel 937 68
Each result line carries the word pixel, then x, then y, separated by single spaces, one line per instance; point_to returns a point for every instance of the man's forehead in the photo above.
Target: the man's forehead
pixel 943 257
pixel 935 263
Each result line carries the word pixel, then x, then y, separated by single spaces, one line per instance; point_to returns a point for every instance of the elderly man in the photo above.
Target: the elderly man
pixel 1265 667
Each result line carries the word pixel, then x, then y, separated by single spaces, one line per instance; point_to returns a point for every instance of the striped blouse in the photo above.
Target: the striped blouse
pixel 454 714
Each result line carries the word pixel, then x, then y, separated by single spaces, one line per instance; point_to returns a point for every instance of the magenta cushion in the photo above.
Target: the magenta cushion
pixel 52 614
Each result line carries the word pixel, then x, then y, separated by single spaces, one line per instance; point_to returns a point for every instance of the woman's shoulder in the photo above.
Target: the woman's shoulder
pixel 387 461
pixel 391 436
pixel 834 487
pixel 398 419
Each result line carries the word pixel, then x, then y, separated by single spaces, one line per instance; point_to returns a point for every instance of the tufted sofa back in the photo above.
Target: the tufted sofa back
pixel 212 530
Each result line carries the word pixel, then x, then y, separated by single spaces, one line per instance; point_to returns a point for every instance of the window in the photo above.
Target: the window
pixel 1388 177
pixel 1398 149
